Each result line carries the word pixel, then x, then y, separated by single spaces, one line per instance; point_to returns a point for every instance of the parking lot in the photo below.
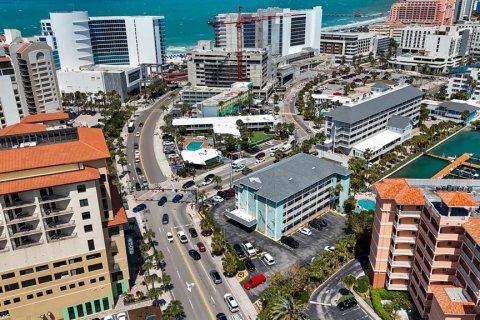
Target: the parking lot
pixel 310 246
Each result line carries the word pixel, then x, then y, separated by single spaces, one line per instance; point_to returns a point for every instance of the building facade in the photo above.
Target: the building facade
pixel 353 123
pixel 225 103
pixel 10 104
pixel 452 110
pixel 61 241
pixel 276 199
pixel 425 240
pixel 425 12
pixel 192 95
pixel 464 78
pixel 282 31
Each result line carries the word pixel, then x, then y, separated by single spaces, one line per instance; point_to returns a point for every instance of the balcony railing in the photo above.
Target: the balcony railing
pixel 399 263
pixel 471 284
pixel 403 252
pixel 19 203
pixel 21 217
pixel 27 244
pixel 405 226
pixel 397 275
pixel 54 225
pixel 397 286
pixel 410 239
pixel 116 267
pixel 54 197
pixel 409 213
pixel 470 245
pixel 60 237
pixel 468 261
pixel 25 232
pixel 113 247
pixel 56 212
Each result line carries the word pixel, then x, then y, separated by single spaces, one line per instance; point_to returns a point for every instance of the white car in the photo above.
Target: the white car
pixel 182 236
pixel 137 134
pixel 330 248
pixel 169 237
pixel 273 149
pixel 172 156
pixel 231 302
pixel 269 143
pixel 137 153
pixel 217 199
pixel 305 231
pixel 108 318
pixel 268 259
pixel 249 248
pixel 121 316
pixel 207 182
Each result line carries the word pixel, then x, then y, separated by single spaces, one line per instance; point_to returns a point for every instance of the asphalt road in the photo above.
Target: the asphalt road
pixel 322 304
pixel 289 114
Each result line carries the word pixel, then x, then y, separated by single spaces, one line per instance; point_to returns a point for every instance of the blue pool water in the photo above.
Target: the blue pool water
pixel 366 204
pixel 194 145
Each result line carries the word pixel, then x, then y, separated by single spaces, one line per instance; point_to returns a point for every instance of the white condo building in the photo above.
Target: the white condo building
pixel 282 30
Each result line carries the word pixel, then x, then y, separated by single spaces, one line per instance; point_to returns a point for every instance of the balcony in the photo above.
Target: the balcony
pixel 449 236
pixel 404 226
pixel 61 236
pixel 395 275
pixel 401 252
pixel 21 217
pixel 443 264
pixel 397 286
pixel 469 281
pixel 19 203
pixel 442 277
pixel 471 245
pixel 472 267
pixel 116 267
pixel 56 212
pixel 54 197
pixel 25 231
pixel 410 239
pixel 399 263
pixel 415 214
pixel 55 225
pixel 27 243
pixel 113 247
pixel 447 251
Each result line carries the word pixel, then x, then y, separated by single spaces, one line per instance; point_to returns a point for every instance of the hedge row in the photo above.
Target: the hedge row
pixel 377 295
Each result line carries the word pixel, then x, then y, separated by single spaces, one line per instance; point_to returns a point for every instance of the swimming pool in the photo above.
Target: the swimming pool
pixel 366 204
pixel 194 145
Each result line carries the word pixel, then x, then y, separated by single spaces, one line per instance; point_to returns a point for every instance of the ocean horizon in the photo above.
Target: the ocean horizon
pixel 185 20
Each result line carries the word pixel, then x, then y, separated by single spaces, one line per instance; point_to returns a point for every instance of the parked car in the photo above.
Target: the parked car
pixel 305 231
pixel 194 254
pixel 231 192
pixel 139 207
pixel 188 184
pixel 207 182
pixel 249 248
pixel 201 247
pixel 217 199
pixel 169 237
pixel 182 236
pixel 193 232
pixel 137 134
pixel 347 304
pixel 223 194
pixel 323 223
pixel 138 171
pixel 249 265
pixel 238 249
pixel 231 302
pixel 269 143
pixel 217 279
pixel 289 241
pixel 162 201
pixel 135 145
pixel 221 316
pixel 138 187
pixel 268 259
pixel 315 224
pixel 177 198
pixel 140 124
pixel 246 171
pixel 209 176
pixel 254 281
pixel 165 218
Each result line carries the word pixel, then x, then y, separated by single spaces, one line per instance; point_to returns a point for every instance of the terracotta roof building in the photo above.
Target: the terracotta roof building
pixel 426 239
pixel 61 222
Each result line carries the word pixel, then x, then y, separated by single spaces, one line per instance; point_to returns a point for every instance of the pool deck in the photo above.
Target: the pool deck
pixel 204 142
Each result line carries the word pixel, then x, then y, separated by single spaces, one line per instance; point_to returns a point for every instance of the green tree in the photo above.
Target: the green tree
pixel 149 234
pixel 349 205
pixel 217 180
pixel 230 262
pixel 346 89
pixel 276 109
pixel 349 281
pixel 362 284
pixel 218 243
pixel 460 95
pixel 231 143
pixel 465 115
pixel 173 310
pixel 289 309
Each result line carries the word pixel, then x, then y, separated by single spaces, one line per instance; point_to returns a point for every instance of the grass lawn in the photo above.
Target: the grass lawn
pixel 344 297
pixel 259 137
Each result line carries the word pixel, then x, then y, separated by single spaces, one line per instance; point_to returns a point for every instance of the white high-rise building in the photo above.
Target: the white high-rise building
pixel 284 31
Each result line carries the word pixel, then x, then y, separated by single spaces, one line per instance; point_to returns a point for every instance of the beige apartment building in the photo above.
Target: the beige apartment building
pixel 62 247
pixel 426 239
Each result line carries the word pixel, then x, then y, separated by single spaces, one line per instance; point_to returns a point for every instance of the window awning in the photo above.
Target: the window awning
pixel 241 217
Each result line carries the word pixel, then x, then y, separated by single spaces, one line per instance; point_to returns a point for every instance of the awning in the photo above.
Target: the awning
pixel 242 218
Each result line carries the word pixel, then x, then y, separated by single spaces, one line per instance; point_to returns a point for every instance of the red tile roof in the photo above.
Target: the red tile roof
pixel 448 306
pixel 119 214
pixel 90 146
pixel 473 228
pixel 457 199
pixel 45 181
pixel 4 59
pixel 20 128
pixel 42 117
pixel 23 47
pixel 400 191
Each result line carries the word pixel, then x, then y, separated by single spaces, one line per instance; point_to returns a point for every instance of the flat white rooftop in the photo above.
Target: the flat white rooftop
pixel 377 141
pixel 200 156
pixel 241 217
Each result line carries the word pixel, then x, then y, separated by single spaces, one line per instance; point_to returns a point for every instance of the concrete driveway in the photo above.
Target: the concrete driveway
pixel 310 246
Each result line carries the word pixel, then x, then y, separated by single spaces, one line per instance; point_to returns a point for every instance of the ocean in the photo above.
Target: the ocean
pixel 185 20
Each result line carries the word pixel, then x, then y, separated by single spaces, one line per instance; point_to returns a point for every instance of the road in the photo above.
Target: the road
pixel 322 300
pixel 192 283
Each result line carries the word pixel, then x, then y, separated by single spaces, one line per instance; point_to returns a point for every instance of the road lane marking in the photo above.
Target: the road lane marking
pixel 140 147
pixel 213 300
pixel 321 303
pixel 179 274
pixel 191 304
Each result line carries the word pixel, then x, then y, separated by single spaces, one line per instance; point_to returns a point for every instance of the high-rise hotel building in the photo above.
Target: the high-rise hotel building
pixel 426 239
pixel 62 248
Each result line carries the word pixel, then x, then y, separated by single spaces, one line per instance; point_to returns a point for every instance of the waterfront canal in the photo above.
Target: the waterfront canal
pixel 466 141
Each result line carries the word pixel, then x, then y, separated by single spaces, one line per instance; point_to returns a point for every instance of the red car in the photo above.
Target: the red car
pixel 201 247
pixel 231 192
pixel 254 281
pixel 337 93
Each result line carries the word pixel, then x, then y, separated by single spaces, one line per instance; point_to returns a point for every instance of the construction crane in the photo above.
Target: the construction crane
pixel 239 26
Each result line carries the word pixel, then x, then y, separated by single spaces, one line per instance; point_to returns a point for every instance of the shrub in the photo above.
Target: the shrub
pixel 362 284
pixel 377 295
pixel 376 298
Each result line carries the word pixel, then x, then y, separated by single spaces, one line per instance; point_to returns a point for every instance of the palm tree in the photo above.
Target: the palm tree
pixel 149 234
pixel 217 180
pixel 166 279
pixel 289 309
pixel 349 281
pixel 367 155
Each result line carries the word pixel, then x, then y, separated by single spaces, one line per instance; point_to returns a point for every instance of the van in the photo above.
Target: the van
pixel 231 302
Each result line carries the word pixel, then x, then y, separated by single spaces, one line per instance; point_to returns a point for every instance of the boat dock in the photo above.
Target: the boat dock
pixel 460 161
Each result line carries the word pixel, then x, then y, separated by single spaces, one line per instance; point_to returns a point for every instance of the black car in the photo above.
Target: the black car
pixel 193 232
pixel 194 254
pixel 223 195
pixel 138 187
pixel 323 223
pixel 209 177
pixel 276 160
pixel 221 316
pixel 215 277
pixel 162 201
pixel 289 241
pixel 246 171
pixel 135 146
pixel 238 249
pixel 347 304
pixel 141 124
pixel 315 224
pixel 206 233
pixel 188 184
pixel 249 265
pixel 165 218
pixel 161 265
pixel 138 170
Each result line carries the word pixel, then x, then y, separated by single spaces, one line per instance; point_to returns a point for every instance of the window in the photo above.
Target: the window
pixel 88 228
pixel 83 202
pixel 12 286
pixel 93 280
pixel 26 271
pixel 80 310
pixel 15 300
pixel 63 288
pixel 113 231
pixel 81 284
pixel 97 305
pixel 60 263
pixel 91 245
pixel 77 271
pixel 29 283
pixel 94 256
pixel 94 267
pixel 106 304
pixel 75 260
pixel 85 215
pixel 6 302
pixel 39 294
pixel 89 308
pixel 8 275
pixel 81 188
pixel 61 275
pixel 71 286
pixel 102 278
pixel 30 296
pixel 49 291
pixel 41 268
pixel 71 313
pixel 45 279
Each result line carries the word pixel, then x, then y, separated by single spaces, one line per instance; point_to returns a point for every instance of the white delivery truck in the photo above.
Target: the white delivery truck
pixel 239 164
pixel 286 147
